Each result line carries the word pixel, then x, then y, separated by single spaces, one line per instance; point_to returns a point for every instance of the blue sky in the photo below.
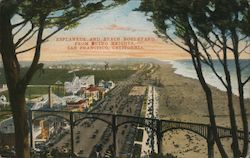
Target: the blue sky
pixel 118 21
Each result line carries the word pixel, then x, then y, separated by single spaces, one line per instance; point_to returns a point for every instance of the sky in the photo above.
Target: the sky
pixel 120 22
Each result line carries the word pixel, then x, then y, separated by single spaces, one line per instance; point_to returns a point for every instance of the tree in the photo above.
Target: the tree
pixel 35 16
pixel 209 30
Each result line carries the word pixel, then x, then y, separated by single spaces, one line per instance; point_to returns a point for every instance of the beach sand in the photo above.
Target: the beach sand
pixel 183 99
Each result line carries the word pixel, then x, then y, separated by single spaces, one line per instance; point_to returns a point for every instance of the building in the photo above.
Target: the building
pixel 42 130
pixel 7 132
pixel 88 80
pixel 51 101
pixel 93 92
pixel 44 125
pixel 78 83
pixel 74 86
pixel 3 102
pixel 3 98
pixel 75 103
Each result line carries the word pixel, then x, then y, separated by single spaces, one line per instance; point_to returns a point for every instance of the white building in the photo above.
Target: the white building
pixel 3 87
pixel 78 83
pixel 3 98
pixel 43 102
pixel 74 86
pixel 3 101
pixel 88 80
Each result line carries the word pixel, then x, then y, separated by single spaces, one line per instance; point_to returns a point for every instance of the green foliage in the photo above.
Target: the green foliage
pixel 59 12
pixel 50 76
pixel 203 16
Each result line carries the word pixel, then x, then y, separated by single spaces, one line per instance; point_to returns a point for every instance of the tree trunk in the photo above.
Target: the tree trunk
pixel 194 49
pixel 235 143
pixel 209 98
pixel 17 83
pixel 18 106
pixel 244 121
pixel 242 106
pixel 235 41
pixel 16 90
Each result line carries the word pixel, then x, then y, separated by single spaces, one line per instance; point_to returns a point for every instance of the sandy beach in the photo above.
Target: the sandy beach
pixel 183 99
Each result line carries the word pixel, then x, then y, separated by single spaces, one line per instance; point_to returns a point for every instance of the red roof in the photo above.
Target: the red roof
pixel 92 89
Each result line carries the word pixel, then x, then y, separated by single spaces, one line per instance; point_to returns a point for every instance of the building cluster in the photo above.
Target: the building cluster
pixel 81 94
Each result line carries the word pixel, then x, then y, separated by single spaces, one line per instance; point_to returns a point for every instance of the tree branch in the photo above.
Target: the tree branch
pixel 53 33
pixel 247 45
pixel 42 41
pixel 177 44
pixel 14 34
pixel 27 34
pixel 243 68
pixel 20 23
pixel 217 54
pixel 35 66
pixel 208 60
pixel 171 39
pixel 246 80
pixel 241 39
pixel 212 46
pixel 26 40
pixel 26 50
pixel 217 37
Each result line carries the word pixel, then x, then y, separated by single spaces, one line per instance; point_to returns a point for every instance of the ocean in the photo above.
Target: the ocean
pixel 185 68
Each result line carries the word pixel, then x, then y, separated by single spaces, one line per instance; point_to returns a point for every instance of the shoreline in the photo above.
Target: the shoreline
pixel 182 99
pixel 185 69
